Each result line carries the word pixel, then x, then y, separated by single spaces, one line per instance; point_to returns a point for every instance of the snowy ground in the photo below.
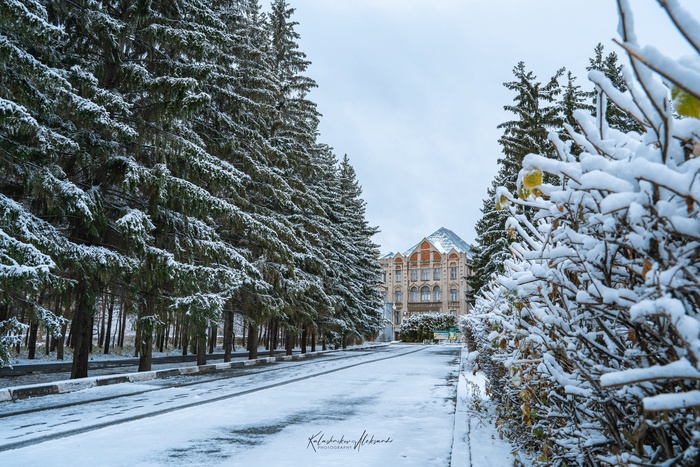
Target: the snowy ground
pixel 394 406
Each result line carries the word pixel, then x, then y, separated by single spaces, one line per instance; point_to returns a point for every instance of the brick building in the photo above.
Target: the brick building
pixel 428 278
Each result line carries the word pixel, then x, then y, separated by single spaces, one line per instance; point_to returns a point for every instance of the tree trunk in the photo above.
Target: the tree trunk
pixel 202 347
pixel 176 332
pixel 252 341
pixel 137 339
pixel 146 353
pixel 288 342
pixel 61 341
pixel 108 330
pixel 345 341
pixel 167 336
pixel 122 330
pixel 161 338
pixel 228 334
pixel 145 329
pixel 243 342
pixel 117 326
pixel 273 336
pixel 103 319
pixel 304 336
pixel 82 333
pixel 145 345
pixel 212 338
pixel 92 329
pixel 48 342
pixel 69 339
pixel 184 337
pixel 54 341
pixel 33 333
pixel 313 342
pixel 276 335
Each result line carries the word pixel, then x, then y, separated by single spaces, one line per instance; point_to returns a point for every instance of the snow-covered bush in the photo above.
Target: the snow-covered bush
pixel 597 319
pixel 421 327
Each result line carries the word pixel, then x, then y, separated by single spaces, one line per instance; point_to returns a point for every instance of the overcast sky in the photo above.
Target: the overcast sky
pixel 412 91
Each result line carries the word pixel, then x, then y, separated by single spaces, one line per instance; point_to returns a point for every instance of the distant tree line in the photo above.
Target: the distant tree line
pixel 160 161
pixel 587 316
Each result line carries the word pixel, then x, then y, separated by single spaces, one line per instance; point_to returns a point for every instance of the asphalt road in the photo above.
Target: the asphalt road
pixel 273 412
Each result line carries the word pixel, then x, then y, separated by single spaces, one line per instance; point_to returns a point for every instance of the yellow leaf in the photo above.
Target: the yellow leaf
pixel 523 193
pixel 532 178
pixel 686 104
pixel 502 202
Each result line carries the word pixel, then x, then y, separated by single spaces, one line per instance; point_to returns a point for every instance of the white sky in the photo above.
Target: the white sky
pixel 412 91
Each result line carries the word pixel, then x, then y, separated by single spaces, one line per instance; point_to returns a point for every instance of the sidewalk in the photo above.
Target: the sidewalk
pixel 65 386
pixel 476 441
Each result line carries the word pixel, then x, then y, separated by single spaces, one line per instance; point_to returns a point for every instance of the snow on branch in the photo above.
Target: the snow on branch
pixel 681 369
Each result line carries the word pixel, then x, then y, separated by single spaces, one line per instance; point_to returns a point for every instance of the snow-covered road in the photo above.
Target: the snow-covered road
pixel 385 407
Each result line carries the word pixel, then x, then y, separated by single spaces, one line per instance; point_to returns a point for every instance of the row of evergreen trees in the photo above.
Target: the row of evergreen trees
pixel 166 154
pixel 589 327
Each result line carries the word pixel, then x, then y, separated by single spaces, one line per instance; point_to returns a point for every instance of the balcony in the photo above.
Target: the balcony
pixel 424 306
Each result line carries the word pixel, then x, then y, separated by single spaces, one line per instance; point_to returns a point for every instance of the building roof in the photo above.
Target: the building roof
pixel 444 240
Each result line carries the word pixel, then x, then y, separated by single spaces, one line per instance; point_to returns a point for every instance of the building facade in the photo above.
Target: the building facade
pixel 431 277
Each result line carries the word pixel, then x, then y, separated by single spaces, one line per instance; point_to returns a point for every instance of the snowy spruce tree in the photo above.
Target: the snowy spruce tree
pixel 609 65
pixel 595 319
pixel 535 114
pixel 293 137
pixel 360 311
pixel 573 98
pixel 58 138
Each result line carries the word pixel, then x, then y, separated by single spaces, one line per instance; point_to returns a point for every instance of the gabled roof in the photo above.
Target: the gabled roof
pixel 444 240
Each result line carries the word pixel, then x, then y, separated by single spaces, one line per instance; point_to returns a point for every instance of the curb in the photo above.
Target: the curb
pixel 12 394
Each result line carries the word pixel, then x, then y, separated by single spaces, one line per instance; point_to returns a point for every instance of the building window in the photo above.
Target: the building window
pixel 453 295
pixel 425 274
pixel 436 294
pixel 425 294
pixel 384 277
pixel 453 272
pixel 397 317
pixel 414 275
pixel 436 274
pixel 414 294
pixel 398 275
pixel 399 297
